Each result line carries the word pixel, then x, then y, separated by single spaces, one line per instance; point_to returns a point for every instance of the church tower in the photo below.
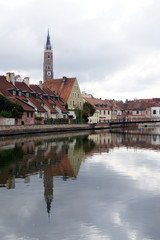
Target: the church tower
pixel 48 60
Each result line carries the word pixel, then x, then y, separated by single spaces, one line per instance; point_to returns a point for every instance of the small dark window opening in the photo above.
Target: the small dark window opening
pixel 154 111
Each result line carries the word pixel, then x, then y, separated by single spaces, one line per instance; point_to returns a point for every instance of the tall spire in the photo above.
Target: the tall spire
pixel 48 43
pixel 48 60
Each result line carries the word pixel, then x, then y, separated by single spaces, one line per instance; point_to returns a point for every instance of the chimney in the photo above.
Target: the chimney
pixel 40 84
pixel 64 78
pixel 10 77
pixel 26 80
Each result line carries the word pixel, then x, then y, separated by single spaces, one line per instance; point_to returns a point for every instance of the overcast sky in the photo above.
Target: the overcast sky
pixel 111 46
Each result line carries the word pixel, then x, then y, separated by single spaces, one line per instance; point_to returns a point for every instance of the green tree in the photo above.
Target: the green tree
pixel 14 110
pixel 78 113
pixel 5 114
pixel 88 111
pixel 66 106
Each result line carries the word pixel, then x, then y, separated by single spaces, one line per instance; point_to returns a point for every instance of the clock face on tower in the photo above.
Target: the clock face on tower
pixel 49 73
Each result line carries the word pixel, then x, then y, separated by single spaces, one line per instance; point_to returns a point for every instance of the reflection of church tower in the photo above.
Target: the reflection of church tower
pixel 48 191
pixel 48 60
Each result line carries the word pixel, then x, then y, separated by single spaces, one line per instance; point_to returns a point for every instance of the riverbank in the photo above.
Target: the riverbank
pixel 31 129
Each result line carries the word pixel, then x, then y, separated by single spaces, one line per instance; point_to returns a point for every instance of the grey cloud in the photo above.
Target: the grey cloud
pixel 82 46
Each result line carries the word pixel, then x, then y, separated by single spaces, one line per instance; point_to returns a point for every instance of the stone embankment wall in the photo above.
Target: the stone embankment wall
pixel 30 129
pixel 7 121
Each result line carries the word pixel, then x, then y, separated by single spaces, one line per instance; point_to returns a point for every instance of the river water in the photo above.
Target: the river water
pixel 81 186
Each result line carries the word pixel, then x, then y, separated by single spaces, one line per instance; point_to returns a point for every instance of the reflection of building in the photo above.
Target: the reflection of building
pixel 48 189
pixel 63 157
pixel 102 140
pixel 75 157
pixel 48 157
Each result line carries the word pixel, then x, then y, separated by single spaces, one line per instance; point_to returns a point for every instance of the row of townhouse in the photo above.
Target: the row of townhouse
pixel 109 110
pixel 140 109
pixel 105 110
pixel 37 101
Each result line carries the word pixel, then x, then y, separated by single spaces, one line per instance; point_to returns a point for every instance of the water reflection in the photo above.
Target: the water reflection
pixel 62 156
pixel 95 186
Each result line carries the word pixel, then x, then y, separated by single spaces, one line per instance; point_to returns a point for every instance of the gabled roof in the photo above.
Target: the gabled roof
pixel 48 91
pixel 25 105
pixel 24 87
pixel 61 86
pixel 98 103
pixel 50 104
pixel 36 88
pixel 138 105
pixel 5 85
pixel 61 106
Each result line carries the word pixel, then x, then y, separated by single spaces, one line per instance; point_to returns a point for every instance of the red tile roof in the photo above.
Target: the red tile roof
pixel 61 106
pixel 25 105
pixel 62 87
pixel 50 104
pixel 5 85
pixel 98 103
pixel 24 87
pixel 138 105
pixel 48 91
pixel 36 88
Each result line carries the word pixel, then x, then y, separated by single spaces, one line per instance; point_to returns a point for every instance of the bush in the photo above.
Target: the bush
pixel 39 118
pixel 5 114
pixel 15 110
pixel 49 120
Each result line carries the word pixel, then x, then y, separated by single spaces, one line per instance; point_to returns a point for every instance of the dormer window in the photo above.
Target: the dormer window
pixel 27 94
pixel 14 92
pixel 19 93
pixel 46 96
pixel 34 94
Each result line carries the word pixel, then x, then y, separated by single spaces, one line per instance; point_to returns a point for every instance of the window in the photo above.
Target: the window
pixel 48 67
pixel 31 114
pixel 100 112
pixel 78 95
pixel 27 94
pixel 80 104
pixel 71 102
pixel 77 104
pixel 19 94
pixel 154 111
pixel 108 112
pixel 104 112
pixel 28 114
pixel 73 94
pixel 14 92
pixel 137 112
pixel 48 56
